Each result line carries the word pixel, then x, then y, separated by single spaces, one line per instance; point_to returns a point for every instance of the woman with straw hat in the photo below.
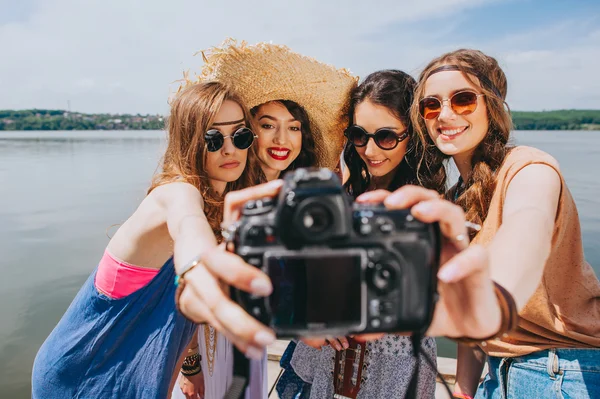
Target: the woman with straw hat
pixel 298 106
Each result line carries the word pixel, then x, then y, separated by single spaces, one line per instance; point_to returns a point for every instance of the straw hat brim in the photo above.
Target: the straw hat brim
pixel 266 72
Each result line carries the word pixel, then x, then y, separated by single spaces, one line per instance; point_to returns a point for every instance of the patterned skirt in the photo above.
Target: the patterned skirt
pixel 389 367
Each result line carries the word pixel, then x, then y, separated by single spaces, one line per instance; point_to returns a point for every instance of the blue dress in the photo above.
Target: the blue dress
pixel 114 348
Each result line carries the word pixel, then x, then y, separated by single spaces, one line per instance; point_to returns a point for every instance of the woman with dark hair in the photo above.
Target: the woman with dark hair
pixel 388 161
pixel 530 227
pixel 379 154
pixel 285 138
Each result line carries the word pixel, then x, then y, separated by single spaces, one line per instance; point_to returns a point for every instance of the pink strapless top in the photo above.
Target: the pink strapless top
pixel 117 279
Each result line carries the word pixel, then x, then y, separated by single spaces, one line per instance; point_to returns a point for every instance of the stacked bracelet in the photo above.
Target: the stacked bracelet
pixel 191 365
pixel 509 317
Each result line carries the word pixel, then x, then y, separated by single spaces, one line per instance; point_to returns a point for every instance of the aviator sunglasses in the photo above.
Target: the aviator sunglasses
pixel 242 139
pixel 461 103
pixel 384 138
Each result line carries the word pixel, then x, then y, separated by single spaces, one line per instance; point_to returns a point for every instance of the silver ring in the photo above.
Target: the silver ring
pixel 228 232
pixel 460 237
pixel 472 226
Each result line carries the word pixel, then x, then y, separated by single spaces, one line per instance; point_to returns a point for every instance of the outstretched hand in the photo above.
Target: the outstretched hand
pixel 205 298
pixel 467 304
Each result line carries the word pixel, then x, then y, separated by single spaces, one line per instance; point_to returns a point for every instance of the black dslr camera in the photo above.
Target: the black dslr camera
pixel 337 268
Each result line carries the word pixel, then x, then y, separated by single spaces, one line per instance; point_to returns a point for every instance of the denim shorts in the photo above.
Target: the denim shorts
pixel 548 374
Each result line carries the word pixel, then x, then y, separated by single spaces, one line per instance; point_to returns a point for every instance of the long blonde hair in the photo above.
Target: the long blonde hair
pixel 192 113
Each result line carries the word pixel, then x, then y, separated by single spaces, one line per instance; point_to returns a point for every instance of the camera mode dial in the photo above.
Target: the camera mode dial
pixel 258 207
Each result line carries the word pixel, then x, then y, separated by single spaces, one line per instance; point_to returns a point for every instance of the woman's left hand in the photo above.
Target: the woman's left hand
pixel 467 305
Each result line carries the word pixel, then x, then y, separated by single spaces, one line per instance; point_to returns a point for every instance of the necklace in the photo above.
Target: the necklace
pixel 210 339
pixel 458 190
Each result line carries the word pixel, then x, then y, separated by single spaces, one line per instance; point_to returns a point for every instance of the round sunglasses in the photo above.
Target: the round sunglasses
pixel 242 139
pixel 461 103
pixel 384 138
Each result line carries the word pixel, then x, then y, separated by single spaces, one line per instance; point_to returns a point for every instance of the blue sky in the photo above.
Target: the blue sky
pixel 122 55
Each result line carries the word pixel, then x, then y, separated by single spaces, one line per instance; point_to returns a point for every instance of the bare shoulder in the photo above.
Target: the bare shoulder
pixel 144 238
pixel 173 193
pixel 535 186
pixel 531 155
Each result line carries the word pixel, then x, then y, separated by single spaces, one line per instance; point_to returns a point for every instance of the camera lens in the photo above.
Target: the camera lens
pixel 316 218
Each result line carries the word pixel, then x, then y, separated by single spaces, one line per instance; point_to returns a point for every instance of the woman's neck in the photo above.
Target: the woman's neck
pixel 270 174
pixel 218 186
pixel 382 182
pixel 463 164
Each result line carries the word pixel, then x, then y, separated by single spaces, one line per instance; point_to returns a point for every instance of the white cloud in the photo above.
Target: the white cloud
pixel 145 45
pixel 121 55
pixel 553 67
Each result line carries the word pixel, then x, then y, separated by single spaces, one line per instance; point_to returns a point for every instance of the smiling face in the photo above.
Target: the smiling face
pixel 226 164
pixel 456 135
pixel 279 138
pixel 373 117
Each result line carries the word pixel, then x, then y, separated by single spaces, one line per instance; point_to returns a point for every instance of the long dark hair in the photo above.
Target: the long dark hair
pixel 307 156
pixel 476 193
pixel 394 90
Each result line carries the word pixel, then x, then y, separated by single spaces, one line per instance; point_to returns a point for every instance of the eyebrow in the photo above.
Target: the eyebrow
pixel 229 123
pixel 239 125
pixel 455 91
pixel 275 120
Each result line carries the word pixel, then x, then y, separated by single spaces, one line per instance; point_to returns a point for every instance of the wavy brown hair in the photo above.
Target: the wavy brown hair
pixel 476 192
pixel 192 113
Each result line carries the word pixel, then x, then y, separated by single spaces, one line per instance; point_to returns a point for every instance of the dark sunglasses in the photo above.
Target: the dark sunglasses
pixel 461 103
pixel 386 139
pixel 241 138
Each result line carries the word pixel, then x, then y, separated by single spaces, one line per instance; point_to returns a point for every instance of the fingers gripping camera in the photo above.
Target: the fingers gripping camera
pixel 337 268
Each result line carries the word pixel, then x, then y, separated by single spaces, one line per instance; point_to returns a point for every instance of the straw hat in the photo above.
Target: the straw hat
pixel 265 72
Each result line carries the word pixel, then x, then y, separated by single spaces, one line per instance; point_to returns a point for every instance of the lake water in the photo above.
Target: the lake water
pixel 62 192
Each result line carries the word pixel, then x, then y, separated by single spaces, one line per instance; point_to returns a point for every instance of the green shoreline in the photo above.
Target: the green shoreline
pixel 43 119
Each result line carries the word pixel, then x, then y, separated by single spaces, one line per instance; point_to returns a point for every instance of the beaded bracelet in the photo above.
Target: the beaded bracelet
pixel 191 365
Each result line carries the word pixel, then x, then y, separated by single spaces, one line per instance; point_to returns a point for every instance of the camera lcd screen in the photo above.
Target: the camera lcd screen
pixel 317 291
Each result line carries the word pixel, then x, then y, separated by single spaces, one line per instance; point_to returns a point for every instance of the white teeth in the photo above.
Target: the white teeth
pixel 279 153
pixel 376 162
pixel 452 132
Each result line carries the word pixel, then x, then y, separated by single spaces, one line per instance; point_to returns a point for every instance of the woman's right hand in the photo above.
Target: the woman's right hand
pixel 337 343
pixel 205 296
pixel 192 386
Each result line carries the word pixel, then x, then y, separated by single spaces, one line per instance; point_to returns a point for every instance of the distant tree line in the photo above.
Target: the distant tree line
pixel 572 119
pixel 44 119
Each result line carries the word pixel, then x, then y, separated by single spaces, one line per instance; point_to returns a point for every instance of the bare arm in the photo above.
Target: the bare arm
pixel 520 248
pixel 192 235
pixel 470 362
